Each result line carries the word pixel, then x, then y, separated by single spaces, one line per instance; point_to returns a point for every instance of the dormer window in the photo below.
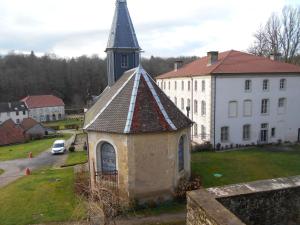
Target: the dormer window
pixel 124 61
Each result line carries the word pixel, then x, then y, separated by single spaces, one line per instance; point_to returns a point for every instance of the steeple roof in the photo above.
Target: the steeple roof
pixel 122 33
pixel 135 104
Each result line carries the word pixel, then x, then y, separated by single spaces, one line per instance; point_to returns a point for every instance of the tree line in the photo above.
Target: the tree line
pixel 74 80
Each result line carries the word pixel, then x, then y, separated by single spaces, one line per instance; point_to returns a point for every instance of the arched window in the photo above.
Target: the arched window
pixel 181 154
pixel 106 158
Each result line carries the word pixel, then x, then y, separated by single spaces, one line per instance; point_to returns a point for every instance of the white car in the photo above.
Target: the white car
pixel 59 147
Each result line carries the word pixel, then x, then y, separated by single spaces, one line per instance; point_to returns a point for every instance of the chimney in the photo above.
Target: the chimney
pixel 177 64
pixel 212 57
pixel 275 57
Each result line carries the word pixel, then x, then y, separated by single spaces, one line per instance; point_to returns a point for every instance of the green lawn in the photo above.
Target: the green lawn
pixel 77 157
pixel 46 196
pixel 22 150
pixel 1 171
pixel 61 124
pixel 244 166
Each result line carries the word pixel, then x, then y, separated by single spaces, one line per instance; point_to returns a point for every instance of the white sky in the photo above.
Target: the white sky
pixel 165 28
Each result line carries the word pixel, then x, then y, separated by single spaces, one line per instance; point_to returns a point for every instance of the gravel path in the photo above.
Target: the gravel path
pixel 14 169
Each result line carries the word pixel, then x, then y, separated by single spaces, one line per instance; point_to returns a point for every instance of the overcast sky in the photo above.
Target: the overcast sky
pixel 165 28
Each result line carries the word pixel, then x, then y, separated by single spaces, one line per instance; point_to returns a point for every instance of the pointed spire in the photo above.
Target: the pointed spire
pixel 122 33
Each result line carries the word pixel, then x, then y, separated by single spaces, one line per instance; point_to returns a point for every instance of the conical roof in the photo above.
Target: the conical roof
pixel 122 33
pixel 135 104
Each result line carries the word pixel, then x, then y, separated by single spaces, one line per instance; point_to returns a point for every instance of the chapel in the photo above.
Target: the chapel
pixel 137 138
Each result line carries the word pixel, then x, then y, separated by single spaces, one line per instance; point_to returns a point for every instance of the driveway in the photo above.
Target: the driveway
pixel 15 169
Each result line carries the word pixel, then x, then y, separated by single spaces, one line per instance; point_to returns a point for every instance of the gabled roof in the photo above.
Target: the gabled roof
pixel 135 104
pixel 232 62
pixel 11 133
pixel 122 33
pixel 41 101
pixel 12 106
pixel 28 123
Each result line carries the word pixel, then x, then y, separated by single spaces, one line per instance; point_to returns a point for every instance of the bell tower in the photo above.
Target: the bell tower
pixel 123 50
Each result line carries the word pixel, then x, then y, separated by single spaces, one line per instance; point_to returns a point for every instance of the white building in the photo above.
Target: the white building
pixel 17 111
pixel 237 99
pixel 44 108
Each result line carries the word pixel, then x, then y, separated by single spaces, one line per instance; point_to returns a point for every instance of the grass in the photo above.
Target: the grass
pixel 45 196
pixel 244 166
pixel 75 158
pixel 62 123
pixel 21 150
pixel 1 171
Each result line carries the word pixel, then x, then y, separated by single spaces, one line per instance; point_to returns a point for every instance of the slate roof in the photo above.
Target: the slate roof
pixel 11 133
pixel 232 62
pixel 42 101
pixel 122 33
pixel 13 106
pixel 135 104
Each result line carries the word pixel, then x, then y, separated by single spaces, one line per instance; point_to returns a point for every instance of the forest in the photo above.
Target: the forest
pixel 74 80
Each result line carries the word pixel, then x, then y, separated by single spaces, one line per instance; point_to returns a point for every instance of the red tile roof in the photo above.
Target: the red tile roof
pixel 41 101
pixel 232 62
pixel 11 133
pixel 28 123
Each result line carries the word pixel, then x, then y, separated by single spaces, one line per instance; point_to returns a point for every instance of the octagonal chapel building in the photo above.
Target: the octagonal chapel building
pixel 137 137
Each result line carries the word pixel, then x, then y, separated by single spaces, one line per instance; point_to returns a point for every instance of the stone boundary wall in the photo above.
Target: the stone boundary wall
pixel 204 209
pixel 267 202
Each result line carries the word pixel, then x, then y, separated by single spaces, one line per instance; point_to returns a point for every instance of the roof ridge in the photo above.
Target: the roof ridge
pixel 220 63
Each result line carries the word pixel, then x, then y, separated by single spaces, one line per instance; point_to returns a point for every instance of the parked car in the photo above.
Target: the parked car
pixel 59 147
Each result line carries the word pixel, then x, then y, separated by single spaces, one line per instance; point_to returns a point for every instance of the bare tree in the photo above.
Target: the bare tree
pixel 279 36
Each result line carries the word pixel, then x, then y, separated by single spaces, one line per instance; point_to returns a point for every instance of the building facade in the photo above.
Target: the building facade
pixel 237 99
pixel 43 108
pixel 16 111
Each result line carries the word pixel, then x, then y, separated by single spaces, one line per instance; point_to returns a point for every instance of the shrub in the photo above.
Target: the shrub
pixel 207 146
pixel 185 185
pixel 72 148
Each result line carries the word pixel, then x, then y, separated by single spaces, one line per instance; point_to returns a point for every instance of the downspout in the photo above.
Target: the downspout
pixel 215 103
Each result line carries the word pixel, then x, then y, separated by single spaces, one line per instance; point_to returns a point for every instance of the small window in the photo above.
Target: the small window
pixel 203 132
pixel 182 85
pixel 264 126
pixel 203 108
pixel 182 103
pixel 195 106
pixel 247 108
pixel 189 85
pixel 196 85
pixel 164 85
pixel 248 85
pixel 282 84
pixel 265 106
pixel 124 61
pixel 175 85
pixel 273 132
pixel 224 134
pixel 233 109
pixel 281 103
pixel 203 86
pixel 265 85
pixel 188 103
pixel 195 130
pixel 246 132
pixel 18 121
pixel 17 113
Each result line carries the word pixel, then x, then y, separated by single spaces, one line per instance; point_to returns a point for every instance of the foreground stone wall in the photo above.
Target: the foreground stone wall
pixel 277 207
pixel 204 209
pixel 268 202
